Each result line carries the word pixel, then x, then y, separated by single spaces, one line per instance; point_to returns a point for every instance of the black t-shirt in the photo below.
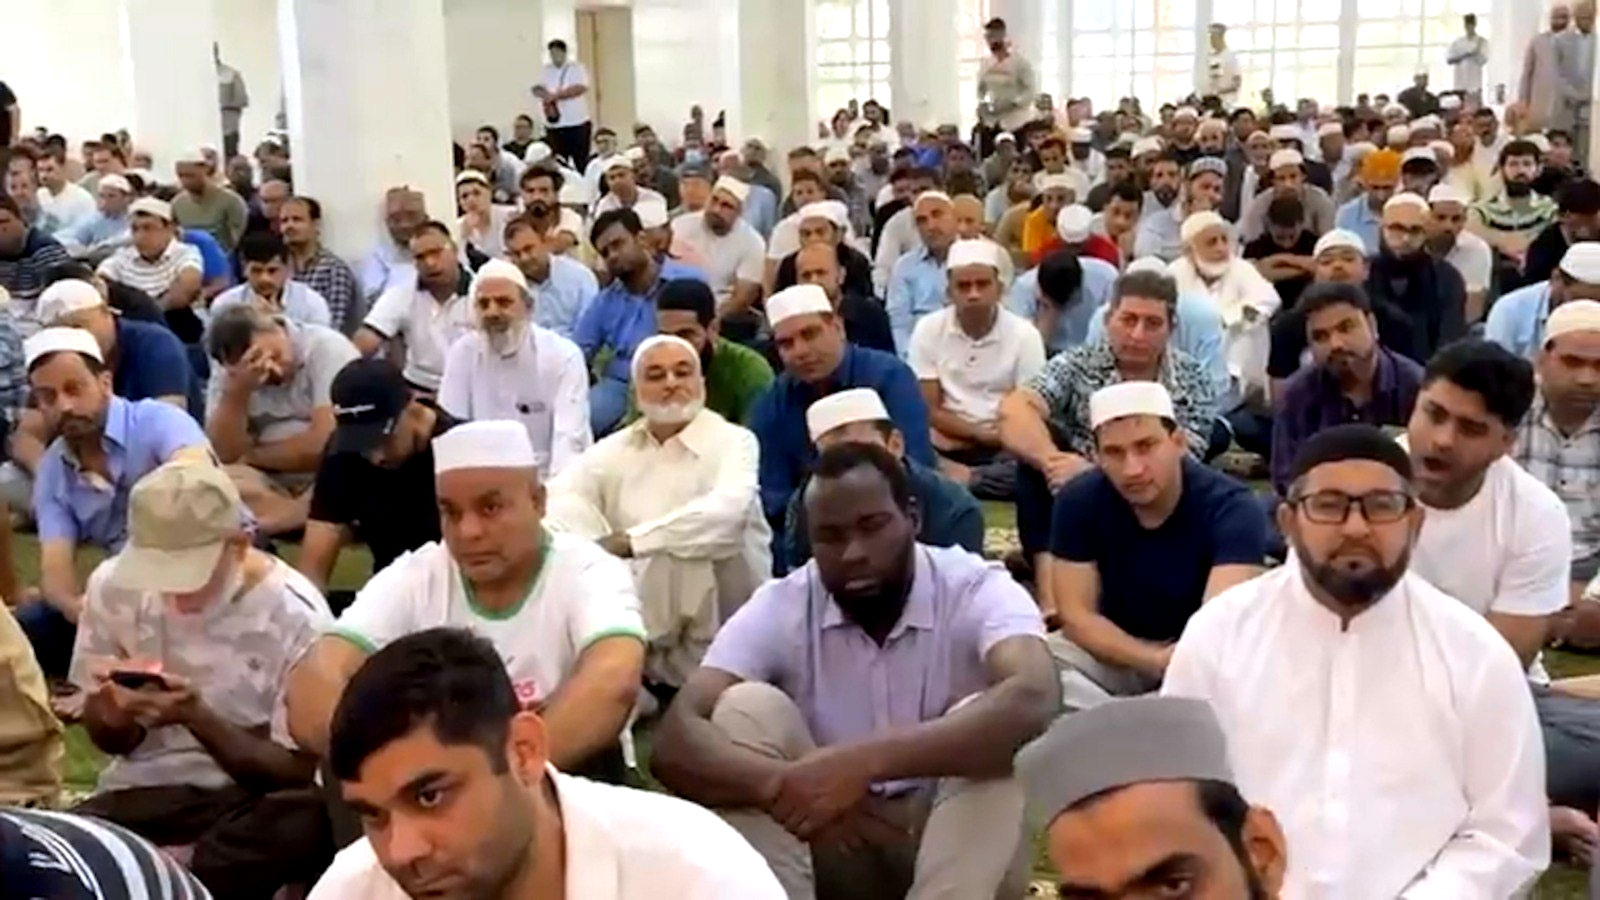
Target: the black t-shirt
pixel 391 510
pixel 1290 289
pixel 7 100
pixel 1153 579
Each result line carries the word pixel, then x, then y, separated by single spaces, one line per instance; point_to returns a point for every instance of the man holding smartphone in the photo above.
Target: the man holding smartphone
pixel 183 648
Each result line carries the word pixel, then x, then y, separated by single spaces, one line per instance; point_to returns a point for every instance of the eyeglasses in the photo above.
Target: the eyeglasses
pixel 1333 507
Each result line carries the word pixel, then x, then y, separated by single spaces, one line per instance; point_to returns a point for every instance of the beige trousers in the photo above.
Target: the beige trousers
pixel 963 839
pixel 1087 682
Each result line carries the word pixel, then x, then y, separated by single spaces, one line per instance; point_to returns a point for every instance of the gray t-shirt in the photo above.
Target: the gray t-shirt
pixel 280 411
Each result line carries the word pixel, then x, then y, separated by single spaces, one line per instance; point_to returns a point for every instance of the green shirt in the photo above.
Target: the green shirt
pixel 738 375
pixel 1525 219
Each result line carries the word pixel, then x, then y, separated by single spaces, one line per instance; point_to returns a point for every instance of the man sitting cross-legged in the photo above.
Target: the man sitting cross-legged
pixel 561 611
pixel 856 720
pixel 1121 611
pixel 186 638
pixel 674 494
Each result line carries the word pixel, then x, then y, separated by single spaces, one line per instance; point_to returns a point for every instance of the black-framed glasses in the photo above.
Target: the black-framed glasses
pixel 1333 507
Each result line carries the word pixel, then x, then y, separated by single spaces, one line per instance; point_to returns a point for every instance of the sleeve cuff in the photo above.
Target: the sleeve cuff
pixel 361 641
pixel 615 631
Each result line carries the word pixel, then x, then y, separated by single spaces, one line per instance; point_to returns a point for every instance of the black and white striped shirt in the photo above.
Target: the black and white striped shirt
pixel 67 857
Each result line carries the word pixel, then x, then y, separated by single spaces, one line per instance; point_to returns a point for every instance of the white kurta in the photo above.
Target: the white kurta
pixel 621 843
pixel 1246 301
pixel 1400 753
pixel 692 510
pixel 544 384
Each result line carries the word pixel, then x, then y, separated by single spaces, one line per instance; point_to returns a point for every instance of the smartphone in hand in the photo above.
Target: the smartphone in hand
pixel 135 680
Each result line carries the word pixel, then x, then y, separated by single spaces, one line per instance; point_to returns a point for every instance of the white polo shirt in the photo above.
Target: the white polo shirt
pixel 621 844
pixel 975 374
pixel 155 276
pixel 739 255
pixel 428 327
pixel 543 383
pixel 580 595
pixel 610 201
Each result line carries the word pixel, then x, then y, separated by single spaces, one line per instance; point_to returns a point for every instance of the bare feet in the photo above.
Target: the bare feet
pixel 1575 834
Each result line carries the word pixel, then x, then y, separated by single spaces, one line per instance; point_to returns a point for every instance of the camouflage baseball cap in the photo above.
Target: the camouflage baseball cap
pixel 180 517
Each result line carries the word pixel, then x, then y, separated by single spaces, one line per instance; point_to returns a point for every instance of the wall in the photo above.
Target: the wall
pixel 685 52
pixel 63 58
pixel 247 35
pixel 493 53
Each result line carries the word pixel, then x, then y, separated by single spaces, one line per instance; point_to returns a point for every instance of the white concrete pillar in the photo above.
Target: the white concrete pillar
pixel 1509 26
pixel 923 51
pixel 777 90
pixel 167 56
pixel 247 34
pixel 368 104
pixel 494 52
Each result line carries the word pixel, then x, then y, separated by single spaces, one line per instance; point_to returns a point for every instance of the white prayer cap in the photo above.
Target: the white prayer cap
pixel 1396 109
pixel 1073 223
pixel 1283 158
pixel 1153 264
pixel 1285 132
pixel 66 297
pixel 1450 101
pixel 1397 134
pixel 932 197
pixel 1339 237
pixel 1080 135
pixel 797 300
pixel 1423 153
pixel 1428 121
pixel 197 155
pixel 145 176
pixel 1126 139
pixel 844 408
pixel 1443 147
pixel 502 269
pixel 733 187
pixel 116 182
pixel 1360 149
pixel 1329 129
pixel 1448 193
pixel 472 175
pixel 1573 315
pixel 1406 198
pixel 833 210
pixel 618 161
pixel 652 213
pixel 1199 223
pixel 1129 398
pixel 654 341
pixel 1539 140
pixel 1146 145
pixel 634 155
pixel 58 340
pixel 537 152
pixel 1006 137
pixel 979 252
pixel 484 444
pixel 1186 112
pixel 836 153
pixel 1046 181
pixel 1582 262
pixel 150 206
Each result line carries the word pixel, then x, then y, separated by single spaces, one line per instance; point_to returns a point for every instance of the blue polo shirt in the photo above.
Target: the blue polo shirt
pixel 778 419
pixel 151 362
pixel 1516 321
pixel 1355 215
pixel 139 436
pixel 918 285
pixel 213 261
pixel 621 319
pixel 1072 326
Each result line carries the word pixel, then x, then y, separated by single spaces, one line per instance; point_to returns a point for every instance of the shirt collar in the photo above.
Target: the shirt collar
pixel 114 435
pixel 593 858
pixel 698 436
pixel 918 611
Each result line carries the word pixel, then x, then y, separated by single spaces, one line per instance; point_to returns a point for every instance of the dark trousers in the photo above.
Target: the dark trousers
pixel 230 146
pixel 245 845
pixel 1035 501
pixel 51 634
pixel 994 472
pixel 1252 431
pixel 571 142
pixel 1571 727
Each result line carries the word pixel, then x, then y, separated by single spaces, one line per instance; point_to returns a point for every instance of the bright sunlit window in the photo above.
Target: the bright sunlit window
pixel 852 53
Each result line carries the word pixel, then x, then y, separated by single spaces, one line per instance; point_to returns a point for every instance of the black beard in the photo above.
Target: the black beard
pixel 707 354
pixel 1164 196
pixel 1518 189
pixel 1355 592
pixel 539 208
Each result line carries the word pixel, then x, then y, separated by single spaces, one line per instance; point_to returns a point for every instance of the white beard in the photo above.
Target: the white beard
pixel 1212 270
pixel 672 413
pixel 505 343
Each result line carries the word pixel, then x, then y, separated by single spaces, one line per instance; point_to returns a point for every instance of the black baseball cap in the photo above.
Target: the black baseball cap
pixel 368 396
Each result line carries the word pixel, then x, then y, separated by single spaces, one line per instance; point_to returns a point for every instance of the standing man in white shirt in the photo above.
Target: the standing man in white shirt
pixel 510 368
pixel 734 254
pixel 1223 75
pixel 433 717
pixel 563 90
pixel 1467 55
pixel 1497 539
pixel 561 612
pixel 674 495
pixel 1340 675
pixel 967 357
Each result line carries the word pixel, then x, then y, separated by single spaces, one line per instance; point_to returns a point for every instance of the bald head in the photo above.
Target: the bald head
pixel 1405 227
pixel 968 211
pixel 818 264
